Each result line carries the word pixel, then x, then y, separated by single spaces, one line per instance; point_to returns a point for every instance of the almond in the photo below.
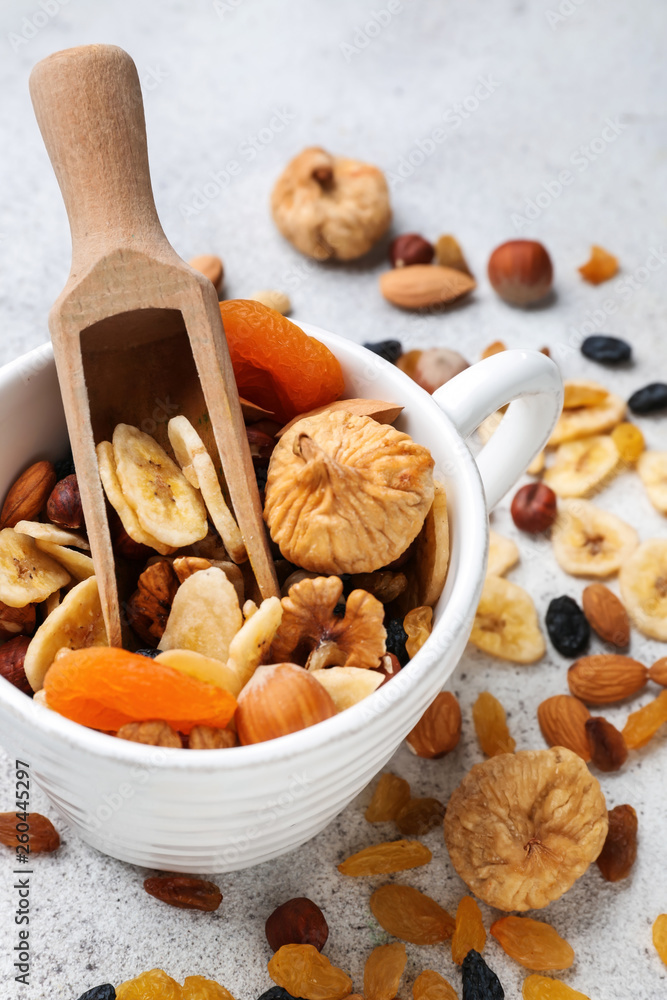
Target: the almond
pixel 28 495
pixel 606 614
pixel 658 672
pixel 562 720
pixel 424 285
pixel 12 656
pixel 439 729
pixel 605 678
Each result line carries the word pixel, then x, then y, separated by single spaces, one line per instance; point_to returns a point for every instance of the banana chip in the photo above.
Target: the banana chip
pixel 79 565
pixel 252 641
pixel 167 506
pixel 503 554
pixel 205 615
pixel 75 624
pixel 49 533
pixel 588 420
pixel 652 469
pixel 588 541
pixel 506 623
pixel 107 469
pixel 581 392
pixel 27 576
pixel 204 668
pixel 199 469
pixel 348 685
pixel 582 467
pixel 643 583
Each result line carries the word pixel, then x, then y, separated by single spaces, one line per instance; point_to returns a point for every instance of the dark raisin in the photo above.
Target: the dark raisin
pixel 396 639
pixel 606 744
pixel 390 350
pixel 567 626
pixel 150 653
pixel 620 848
pixel 649 399
pixel 277 993
pixel 479 981
pixel 104 992
pixel 607 350
pixel 65 467
pixel 261 473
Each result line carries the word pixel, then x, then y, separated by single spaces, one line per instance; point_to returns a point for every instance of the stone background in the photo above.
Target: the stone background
pixel 558 76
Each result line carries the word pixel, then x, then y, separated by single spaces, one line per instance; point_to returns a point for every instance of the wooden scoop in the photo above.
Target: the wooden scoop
pixel 137 333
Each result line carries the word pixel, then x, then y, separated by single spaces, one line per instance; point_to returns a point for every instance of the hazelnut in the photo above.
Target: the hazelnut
pixel 521 272
pixel 281 698
pixel 298 921
pixel 534 508
pixel 126 547
pixel 436 366
pixel 12 656
pixel 410 248
pixel 330 206
pixel 64 505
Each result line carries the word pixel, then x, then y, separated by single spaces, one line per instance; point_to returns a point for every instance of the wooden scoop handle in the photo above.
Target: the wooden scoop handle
pixel 89 108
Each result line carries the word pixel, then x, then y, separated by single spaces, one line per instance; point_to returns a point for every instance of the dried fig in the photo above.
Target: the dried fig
pixel 345 494
pixel 330 206
pixel 521 828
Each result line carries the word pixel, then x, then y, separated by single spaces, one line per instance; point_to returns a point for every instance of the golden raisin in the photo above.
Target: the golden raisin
pixel 383 859
pixel 629 441
pixel 390 796
pixel 198 988
pixel 184 891
pixel 304 972
pixel 532 943
pixel 431 985
pixel 606 744
pixel 543 988
pixel 419 816
pixel 620 848
pixel 469 932
pixel 410 915
pixel 152 985
pixel 491 725
pixel 643 724
pixel 601 266
pixel 660 936
pixel 40 833
pixel 418 624
pixel 383 971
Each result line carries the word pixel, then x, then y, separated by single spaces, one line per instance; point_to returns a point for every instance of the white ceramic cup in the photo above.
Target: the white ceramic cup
pixel 204 811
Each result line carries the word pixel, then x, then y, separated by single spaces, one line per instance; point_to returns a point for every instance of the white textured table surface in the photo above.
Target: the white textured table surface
pixel 572 85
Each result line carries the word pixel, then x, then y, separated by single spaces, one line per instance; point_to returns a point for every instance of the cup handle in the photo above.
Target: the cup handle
pixel 531 383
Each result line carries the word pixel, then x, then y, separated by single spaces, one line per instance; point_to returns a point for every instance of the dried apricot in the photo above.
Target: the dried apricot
pixel 184 891
pixel 620 848
pixel 198 988
pixel 419 816
pixel 532 943
pixel 304 972
pixel 105 687
pixel 275 363
pixel 418 624
pixel 606 744
pixel 410 915
pixel 152 985
pixel 41 834
pixel 390 796
pixel 643 724
pixel 629 440
pixel 431 985
pixel 298 921
pixel 383 971
pixel 469 932
pixel 491 725
pixel 383 859
pixel 660 936
pixel 544 988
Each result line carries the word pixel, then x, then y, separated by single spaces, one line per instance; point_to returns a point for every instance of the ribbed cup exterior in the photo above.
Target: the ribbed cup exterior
pixel 203 811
